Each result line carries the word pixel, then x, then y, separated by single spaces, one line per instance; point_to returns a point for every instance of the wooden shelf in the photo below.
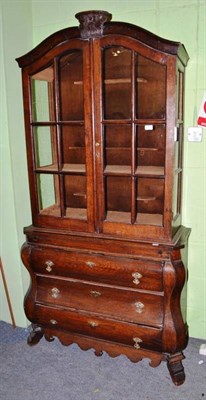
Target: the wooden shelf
pixel 47 168
pixel 70 168
pixel 73 213
pixel 139 121
pixel 80 194
pixel 128 148
pixel 142 218
pixel 148 170
pixel 146 198
pixel 119 216
pixel 149 219
pixel 53 210
pixel 77 168
pixel 115 81
pixel 117 170
pixel 76 213
pixel 142 170
pixel 118 148
pixel 147 149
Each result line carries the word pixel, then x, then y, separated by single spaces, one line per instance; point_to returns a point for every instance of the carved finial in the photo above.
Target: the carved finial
pixel 92 23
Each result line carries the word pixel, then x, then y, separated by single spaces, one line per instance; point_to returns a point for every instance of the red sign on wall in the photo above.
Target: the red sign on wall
pixel 202 113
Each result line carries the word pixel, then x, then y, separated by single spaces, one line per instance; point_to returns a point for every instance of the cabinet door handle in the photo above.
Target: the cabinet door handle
pixel 139 307
pixel 93 324
pixel 137 276
pixel 94 293
pixel 49 264
pixel 55 292
pixel 137 340
pixel 90 264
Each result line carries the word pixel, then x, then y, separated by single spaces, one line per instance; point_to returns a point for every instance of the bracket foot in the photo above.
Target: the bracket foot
pixel 176 369
pixel 35 335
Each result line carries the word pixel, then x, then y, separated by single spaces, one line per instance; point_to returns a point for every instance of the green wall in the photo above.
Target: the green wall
pixel 15 39
pixel 180 20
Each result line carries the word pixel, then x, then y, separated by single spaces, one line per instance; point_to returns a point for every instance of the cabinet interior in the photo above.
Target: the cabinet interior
pixel 133 137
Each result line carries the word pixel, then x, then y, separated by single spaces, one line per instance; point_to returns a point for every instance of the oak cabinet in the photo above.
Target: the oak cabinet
pixel 104 112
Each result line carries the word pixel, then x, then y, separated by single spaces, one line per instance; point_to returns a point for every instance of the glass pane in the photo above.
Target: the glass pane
pixel 179 108
pixel 176 155
pixel 116 77
pixel 177 171
pixel 42 89
pixel 118 199
pixel 175 195
pixel 176 205
pixel 117 145
pixel 150 88
pixel 150 145
pixel 75 196
pixel 150 200
pixel 45 147
pixel 73 145
pixel 47 187
pixel 71 86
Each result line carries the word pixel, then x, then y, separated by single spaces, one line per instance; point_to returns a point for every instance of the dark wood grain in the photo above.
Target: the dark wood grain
pixel 106 251
pixel 99 267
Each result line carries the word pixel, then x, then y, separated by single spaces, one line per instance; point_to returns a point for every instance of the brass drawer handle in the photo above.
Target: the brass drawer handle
pixel 139 307
pixel 53 321
pixel 136 342
pixel 49 264
pixel 93 324
pixel 90 264
pixel 137 276
pixel 95 294
pixel 55 292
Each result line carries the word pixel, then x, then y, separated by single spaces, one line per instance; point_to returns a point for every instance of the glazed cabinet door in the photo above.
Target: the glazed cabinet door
pixel 178 146
pixel 59 132
pixel 131 133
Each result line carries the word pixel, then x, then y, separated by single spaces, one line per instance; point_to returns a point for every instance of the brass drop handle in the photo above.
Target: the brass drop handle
pixel 55 292
pixel 93 324
pixel 137 340
pixel 49 264
pixel 53 321
pixel 139 307
pixel 137 276
pixel 90 264
pixel 95 294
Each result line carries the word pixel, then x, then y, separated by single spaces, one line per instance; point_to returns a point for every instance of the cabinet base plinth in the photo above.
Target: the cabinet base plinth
pixel 174 363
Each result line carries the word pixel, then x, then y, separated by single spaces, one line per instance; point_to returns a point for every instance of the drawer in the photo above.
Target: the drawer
pixel 118 303
pixel 100 268
pixel 102 328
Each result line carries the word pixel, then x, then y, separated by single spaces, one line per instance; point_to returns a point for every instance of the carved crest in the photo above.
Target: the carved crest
pixel 92 23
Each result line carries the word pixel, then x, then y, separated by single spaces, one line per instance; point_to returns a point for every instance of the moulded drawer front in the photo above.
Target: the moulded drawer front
pixel 102 328
pixel 100 268
pixel 117 303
